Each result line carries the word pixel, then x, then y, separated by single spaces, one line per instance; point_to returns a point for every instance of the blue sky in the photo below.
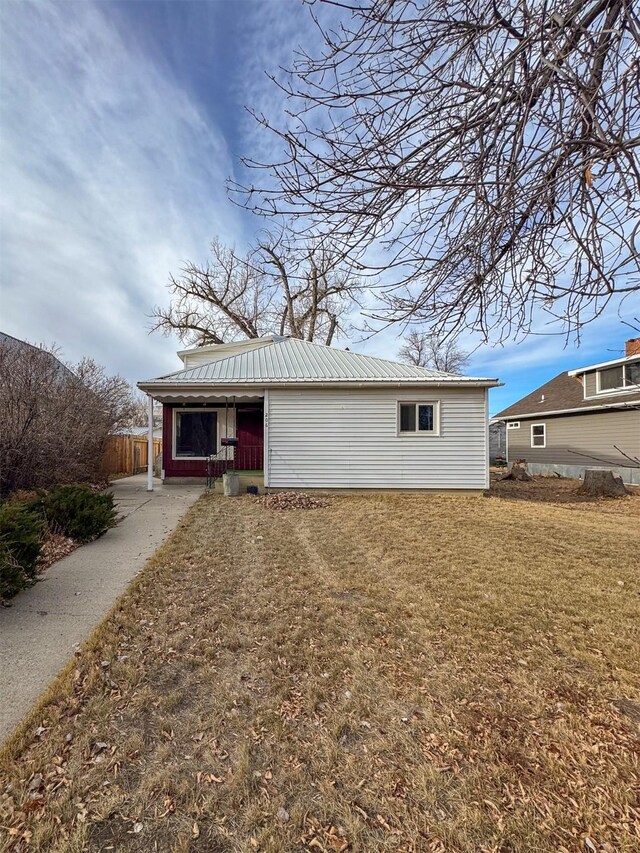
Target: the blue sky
pixel 119 123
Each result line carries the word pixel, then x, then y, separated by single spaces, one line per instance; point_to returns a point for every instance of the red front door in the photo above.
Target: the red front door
pixel 250 434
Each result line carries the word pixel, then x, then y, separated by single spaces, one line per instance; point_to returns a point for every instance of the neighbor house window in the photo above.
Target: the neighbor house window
pixel 538 435
pixel 195 433
pixel 611 379
pixel 513 425
pixel 632 374
pixel 618 378
pixel 418 418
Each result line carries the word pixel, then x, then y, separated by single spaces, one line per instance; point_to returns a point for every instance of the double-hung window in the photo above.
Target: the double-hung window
pixel 195 433
pixel 538 435
pixel 419 418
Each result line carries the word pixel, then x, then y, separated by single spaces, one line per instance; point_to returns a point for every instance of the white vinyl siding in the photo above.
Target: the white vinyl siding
pixel 342 438
pixel 196 358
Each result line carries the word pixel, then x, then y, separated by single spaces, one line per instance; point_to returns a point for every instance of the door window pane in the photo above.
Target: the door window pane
pixel 425 418
pixel 408 418
pixel 196 433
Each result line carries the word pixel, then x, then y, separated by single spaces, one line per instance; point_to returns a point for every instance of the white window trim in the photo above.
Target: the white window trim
pixel 433 433
pixel 544 437
pixel 174 431
pixel 625 388
pixel 513 424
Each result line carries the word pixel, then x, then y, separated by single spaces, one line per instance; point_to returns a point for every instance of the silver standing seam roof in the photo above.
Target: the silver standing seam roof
pixel 290 360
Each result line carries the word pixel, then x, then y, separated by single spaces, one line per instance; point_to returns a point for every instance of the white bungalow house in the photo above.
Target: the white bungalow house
pixel 300 415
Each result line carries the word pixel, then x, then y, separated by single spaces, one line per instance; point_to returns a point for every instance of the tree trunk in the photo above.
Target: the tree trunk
pixel 600 482
pixel 518 471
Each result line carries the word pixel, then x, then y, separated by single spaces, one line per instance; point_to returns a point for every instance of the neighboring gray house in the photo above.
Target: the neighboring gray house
pixel 304 416
pixel 584 418
pixel 497 441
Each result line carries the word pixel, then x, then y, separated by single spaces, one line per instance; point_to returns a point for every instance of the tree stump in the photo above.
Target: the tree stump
pixel 518 471
pixel 602 483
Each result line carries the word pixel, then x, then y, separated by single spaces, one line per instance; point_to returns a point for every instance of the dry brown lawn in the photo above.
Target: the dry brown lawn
pixel 394 673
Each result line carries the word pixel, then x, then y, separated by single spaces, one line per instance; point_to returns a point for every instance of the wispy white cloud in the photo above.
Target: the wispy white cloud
pixel 274 32
pixel 114 168
pixel 111 176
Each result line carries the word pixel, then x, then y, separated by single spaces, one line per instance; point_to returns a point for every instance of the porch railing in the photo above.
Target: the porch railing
pixel 239 458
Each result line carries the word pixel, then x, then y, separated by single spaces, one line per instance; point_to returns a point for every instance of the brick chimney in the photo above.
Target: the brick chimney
pixel 632 347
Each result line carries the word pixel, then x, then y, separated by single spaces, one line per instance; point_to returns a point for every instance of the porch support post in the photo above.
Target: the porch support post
pixel 265 439
pixel 150 459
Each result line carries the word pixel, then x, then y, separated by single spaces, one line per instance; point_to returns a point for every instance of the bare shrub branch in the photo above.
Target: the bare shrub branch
pixel 55 421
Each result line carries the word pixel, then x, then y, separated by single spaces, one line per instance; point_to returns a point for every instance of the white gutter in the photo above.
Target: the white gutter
pixel 231 388
pixel 613 363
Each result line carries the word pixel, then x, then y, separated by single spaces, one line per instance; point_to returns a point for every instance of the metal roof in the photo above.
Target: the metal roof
pixel 292 361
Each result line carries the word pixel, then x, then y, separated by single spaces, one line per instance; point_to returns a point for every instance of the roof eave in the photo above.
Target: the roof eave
pixel 625 404
pixel 155 385
pixel 615 361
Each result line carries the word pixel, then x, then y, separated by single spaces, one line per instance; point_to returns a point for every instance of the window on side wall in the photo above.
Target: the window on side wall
pixel 195 433
pixel 611 379
pixel 419 418
pixel 632 374
pixel 538 435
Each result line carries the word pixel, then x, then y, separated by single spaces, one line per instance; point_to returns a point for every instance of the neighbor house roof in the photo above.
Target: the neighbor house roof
pixel 564 393
pixel 292 361
pixel 138 430
pixel 18 345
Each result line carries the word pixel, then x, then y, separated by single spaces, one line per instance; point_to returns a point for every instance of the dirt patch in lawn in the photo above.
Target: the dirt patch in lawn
pixel 549 490
pixel 392 673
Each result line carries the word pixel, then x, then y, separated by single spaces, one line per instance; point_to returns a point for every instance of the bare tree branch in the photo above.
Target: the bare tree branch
pixel 307 294
pixel 425 349
pixel 492 149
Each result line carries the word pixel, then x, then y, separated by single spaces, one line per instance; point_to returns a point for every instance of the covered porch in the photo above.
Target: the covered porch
pixel 205 435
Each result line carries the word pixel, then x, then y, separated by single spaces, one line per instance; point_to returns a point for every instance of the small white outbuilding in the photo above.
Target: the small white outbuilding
pixel 300 415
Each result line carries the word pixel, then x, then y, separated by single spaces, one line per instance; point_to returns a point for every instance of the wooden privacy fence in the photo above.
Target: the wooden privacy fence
pixel 127 454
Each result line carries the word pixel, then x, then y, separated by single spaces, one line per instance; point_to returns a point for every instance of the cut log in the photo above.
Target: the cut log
pixel 602 483
pixel 518 471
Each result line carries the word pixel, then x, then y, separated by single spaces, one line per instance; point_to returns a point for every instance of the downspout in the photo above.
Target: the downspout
pixel 487 441
pixel 150 459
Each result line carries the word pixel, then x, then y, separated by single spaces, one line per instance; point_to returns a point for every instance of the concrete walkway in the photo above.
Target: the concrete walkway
pixel 40 631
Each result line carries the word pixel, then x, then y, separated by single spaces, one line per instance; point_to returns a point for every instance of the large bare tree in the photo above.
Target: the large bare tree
pixel 492 146
pixel 273 288
pixel 425 349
